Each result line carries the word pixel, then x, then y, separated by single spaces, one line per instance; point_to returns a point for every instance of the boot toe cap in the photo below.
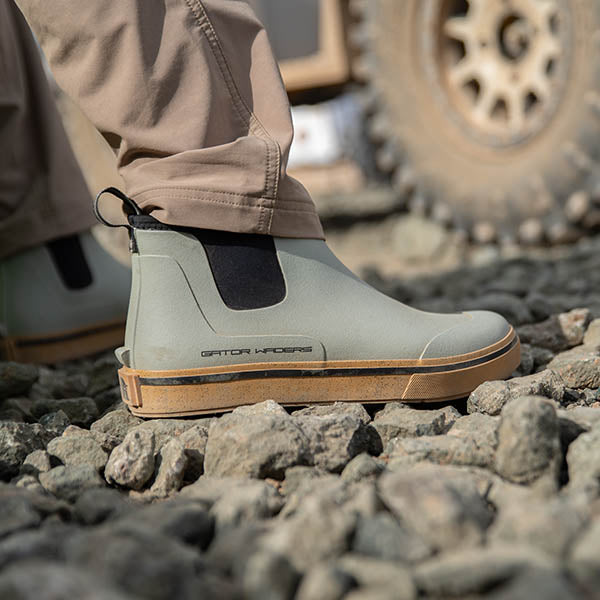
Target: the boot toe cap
pixel 479 330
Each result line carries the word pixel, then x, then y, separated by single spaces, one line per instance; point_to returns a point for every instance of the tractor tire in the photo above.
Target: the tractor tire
pixel 487 111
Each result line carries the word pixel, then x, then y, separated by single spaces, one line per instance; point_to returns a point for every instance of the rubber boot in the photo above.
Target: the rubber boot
pixel 62 300
pixel 219 320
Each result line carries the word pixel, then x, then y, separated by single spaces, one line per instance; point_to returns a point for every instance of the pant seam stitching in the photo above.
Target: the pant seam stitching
pixel 239 204
pixel 186 188
pixel 201 15
pixel 163 191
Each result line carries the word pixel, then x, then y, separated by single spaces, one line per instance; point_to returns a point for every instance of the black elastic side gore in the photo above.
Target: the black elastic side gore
pixel 244 265
pixel 245 268
pixel 70 262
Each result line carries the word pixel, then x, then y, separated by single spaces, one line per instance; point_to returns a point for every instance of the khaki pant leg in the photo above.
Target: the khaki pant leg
pixel 42 191
pixel 189 93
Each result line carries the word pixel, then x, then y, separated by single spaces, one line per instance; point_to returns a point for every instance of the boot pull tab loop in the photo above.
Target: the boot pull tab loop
pixel 129 208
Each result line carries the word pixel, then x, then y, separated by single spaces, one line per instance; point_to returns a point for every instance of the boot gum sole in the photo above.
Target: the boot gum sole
pixel 218 389
pixel 65 345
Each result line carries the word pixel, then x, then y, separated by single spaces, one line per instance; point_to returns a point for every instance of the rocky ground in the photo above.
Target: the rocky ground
pixel 496 496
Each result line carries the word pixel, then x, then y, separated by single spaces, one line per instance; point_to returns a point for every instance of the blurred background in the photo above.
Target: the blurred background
pixel 433 134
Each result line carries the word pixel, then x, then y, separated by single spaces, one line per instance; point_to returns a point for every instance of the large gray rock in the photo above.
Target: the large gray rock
pixel 107 442
pixel 375 592
pixel 301 477
pixel 142 563
pixel 68 483
pixel 479 427
pixel 78 449
pixel 360 468
pixel 337 409
pixel 17 410
pixel 17 440
pixel 471 571
pixel 490 397
pixel 269 576
pixel 39 461
pixel 24 508
pixel 131 464
pixel 165 430
pixel 441 449
pixel 334 440
pixel 50 580
pixel 16 378
pixel 583 460
pixel 96 505
pixel 399 420
pixel 55 423
pixel 551 526
pixel 233 502
pixel 528 441
pixel 578 368
pixel 440 504
pixel 382 537
pixel 255 441
pixel 592 334
pixel 28 482
pixel 231 548
pixel 317 531
pixel 559 332
pixel 116 423
pixel 17 513
pixel 542 584
pixel 584 560
pixel 181 519
pixel 170 468
pixel 30 544
pixel 325 582
pixel 327 489
pixel 389 580
pixel 584 416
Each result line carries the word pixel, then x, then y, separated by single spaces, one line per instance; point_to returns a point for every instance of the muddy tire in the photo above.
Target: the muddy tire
pixel 489 118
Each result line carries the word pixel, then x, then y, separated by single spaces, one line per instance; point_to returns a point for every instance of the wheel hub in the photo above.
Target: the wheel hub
pixel 514 37
pixel 501 65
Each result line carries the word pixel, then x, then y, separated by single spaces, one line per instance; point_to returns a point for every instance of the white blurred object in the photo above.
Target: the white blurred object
pixel 316 139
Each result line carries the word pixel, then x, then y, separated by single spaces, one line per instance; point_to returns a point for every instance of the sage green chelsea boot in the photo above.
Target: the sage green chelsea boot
pixel 62 300
pixel 218 320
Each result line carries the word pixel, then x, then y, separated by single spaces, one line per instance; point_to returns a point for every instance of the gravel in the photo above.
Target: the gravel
pixel 583 460
pixel 400 420
pixel 17 441
pixel 528 441
pixel 16 379
pixel 493 496
pixel 256 441
pixel 131 463
pixel 441 505
pixel 78 449
pixel 68 483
